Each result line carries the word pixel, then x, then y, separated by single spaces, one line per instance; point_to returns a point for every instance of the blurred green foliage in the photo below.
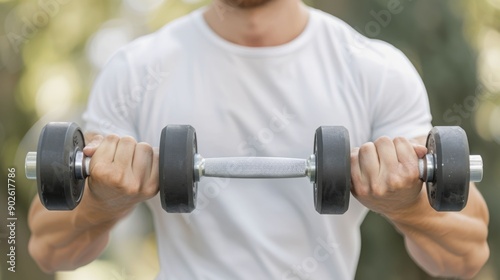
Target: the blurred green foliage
pixel 50 51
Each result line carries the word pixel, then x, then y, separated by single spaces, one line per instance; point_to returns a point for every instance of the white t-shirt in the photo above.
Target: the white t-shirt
pixel 267 101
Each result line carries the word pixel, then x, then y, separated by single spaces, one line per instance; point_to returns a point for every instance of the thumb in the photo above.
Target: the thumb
pixel 92 146
pixel 420 150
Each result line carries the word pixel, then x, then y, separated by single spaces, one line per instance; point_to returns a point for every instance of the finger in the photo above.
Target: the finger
pixel 358 187
pixel 369 161
pixel 156 163
pixel 355 169
pixel 150 157
pixel 142 163
pixel 125 151
pixel 387 153
pixel 420 150
pixel 105 152
pixel 405 150
pixel 155 173
pixel 407 156
pixel 92 146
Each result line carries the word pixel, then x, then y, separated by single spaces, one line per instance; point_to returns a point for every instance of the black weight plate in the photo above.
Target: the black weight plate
pixel 58 187
pixel 449 190
pixel 333 170
pixel 178 188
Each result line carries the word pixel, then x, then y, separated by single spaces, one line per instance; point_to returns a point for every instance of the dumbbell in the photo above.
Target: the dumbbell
pixel 447 169
pixel 328 168
pixel 60 168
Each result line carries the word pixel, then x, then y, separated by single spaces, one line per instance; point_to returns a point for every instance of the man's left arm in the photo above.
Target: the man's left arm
pixel 386 180
pixel 446 243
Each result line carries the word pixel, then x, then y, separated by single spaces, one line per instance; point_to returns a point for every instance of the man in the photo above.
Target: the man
pixel 256 78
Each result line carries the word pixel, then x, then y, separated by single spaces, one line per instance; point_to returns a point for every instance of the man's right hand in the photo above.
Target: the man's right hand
pixel 123 173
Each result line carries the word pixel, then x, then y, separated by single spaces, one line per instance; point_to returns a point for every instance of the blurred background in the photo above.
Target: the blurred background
pixel 52 50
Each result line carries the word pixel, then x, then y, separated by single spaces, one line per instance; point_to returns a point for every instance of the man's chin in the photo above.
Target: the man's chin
pixel 246 4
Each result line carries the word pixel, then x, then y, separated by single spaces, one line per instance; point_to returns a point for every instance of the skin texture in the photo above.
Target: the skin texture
pixel 384 175
pixel 385 179
pixel 124 173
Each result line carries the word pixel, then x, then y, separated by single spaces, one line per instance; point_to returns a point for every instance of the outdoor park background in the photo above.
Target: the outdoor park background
pixel 51 51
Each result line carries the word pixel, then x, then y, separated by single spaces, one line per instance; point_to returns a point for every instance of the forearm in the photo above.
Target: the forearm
pixel 449 244
pixel 124 173
pixel 65 240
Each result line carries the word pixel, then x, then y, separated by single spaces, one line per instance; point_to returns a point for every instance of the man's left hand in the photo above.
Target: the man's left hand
pixel 385 176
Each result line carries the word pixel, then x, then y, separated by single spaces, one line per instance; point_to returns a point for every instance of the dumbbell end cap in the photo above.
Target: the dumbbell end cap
pixel 476 168
pixel 30 166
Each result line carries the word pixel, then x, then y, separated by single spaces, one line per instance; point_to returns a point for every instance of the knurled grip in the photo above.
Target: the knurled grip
pixel 253 167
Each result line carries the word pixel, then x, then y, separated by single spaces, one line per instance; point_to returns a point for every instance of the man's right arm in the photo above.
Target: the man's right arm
pixel 124 173
pixel 63 240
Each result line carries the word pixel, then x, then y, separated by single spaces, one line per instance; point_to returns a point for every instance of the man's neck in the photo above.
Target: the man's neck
pixel 272 24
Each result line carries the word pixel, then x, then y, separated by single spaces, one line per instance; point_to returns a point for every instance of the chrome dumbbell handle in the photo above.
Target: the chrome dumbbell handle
pixel 254 167
pixel 427 166
pixel 476 168
pixel 81 165
pixel 30 166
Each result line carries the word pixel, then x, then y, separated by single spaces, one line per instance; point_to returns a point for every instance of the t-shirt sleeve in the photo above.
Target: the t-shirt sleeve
pixel 401 105
pixel 110 106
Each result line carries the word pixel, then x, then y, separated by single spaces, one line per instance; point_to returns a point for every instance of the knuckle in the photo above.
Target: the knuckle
pixel 108 176
pixel 377 190
pixel 395 181
pixel 132 189
pixel 361 191
pixel 400 140
pixel 354 156
pixel 354 159
pixel 151 191
pixel 384 140
pixel 112 138
pixel 92 137
pixel 366 147
pixel 144 148
pixel 116 178
pixel 128 140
